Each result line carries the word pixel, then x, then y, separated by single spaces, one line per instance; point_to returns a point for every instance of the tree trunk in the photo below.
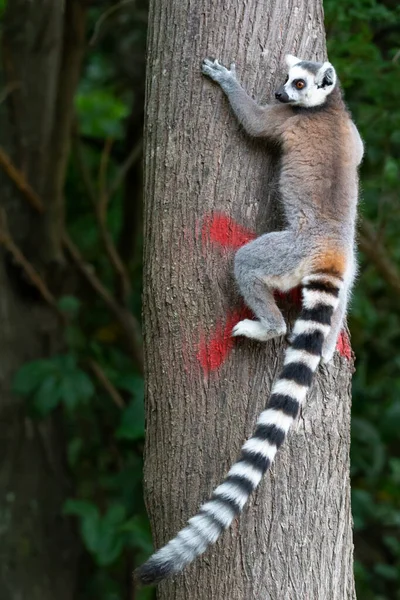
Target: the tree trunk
pixel 294 539
pixel 38 550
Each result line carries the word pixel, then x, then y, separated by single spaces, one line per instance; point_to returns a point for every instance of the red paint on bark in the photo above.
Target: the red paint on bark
pixel 343 345
pixel 213 353
pixel 222 230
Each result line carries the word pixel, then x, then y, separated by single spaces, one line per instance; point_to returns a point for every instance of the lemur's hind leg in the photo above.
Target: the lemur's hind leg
pixel 270 321
pixel 274 261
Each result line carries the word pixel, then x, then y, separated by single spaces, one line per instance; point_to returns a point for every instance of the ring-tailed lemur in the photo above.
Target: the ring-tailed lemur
pixel 321 150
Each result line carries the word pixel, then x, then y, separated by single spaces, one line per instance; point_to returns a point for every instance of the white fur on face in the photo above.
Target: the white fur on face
pixel 311 94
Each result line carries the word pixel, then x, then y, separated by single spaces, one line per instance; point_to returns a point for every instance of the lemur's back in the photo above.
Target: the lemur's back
pixel 318 178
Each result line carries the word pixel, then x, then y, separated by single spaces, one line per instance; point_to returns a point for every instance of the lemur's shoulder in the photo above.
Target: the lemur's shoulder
pixel 319 129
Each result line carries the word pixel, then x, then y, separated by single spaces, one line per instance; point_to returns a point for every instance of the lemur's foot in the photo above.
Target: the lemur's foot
pixel 256 330
pixel 218 72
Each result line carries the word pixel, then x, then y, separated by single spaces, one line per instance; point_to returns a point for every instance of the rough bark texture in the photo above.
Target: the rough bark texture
pixel 294 540
pixel 38 550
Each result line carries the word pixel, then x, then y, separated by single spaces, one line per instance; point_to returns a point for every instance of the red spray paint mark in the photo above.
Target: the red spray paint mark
pixel 343 345
pixel 212 354
pixel 222 230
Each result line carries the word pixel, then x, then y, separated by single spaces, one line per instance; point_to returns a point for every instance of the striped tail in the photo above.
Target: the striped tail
pixel 320 298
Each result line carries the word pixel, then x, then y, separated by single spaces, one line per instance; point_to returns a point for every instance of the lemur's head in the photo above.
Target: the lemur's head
pixel 308 83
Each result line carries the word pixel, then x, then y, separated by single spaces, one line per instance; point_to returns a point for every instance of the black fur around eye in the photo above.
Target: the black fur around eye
pixel 286 80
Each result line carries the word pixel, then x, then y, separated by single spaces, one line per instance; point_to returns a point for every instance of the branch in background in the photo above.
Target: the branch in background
pixel 101 213
pixel 106 15
pixel 106 383
pixel 372 247
pixel 130 161
pixel 20 182
pixel 129 245
pixel 82 168
pixel 102 204
pixel 100 209
pixel 127 321
pixel 8 243
pixel 74 44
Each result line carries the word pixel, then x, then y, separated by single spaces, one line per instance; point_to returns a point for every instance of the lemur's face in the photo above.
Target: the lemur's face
pixel 307 83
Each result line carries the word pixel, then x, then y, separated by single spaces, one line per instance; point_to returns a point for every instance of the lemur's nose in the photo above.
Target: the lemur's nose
pixel 278 95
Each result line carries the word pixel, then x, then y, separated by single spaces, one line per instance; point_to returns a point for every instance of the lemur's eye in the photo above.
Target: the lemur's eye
pixel 300 83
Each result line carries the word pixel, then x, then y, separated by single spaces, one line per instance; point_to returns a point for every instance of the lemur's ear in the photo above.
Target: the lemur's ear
pixel 291 60
pixel 326 76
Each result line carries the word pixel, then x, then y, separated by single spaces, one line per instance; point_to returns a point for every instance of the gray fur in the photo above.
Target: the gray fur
pixel 311 67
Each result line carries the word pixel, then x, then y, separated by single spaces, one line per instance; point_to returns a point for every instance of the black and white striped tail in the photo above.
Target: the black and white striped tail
pixel 320 298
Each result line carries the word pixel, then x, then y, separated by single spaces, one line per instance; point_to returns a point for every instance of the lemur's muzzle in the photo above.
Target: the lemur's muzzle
pixel 281 94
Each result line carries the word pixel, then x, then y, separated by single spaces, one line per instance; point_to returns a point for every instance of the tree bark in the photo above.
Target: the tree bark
pixel 294 539
pixel 38 550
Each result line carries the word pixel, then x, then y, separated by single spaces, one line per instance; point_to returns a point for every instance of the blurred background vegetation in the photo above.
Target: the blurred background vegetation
pixel 96 382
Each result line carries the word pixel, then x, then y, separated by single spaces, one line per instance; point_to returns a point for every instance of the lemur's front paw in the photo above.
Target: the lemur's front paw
pixel 256 330
pixel 218 72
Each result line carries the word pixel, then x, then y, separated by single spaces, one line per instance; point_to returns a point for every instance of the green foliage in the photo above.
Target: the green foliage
pixel 70 306
pixel 100 113
pixel 132 422
pixel 47 383
pixel 105 536
pixel 364 45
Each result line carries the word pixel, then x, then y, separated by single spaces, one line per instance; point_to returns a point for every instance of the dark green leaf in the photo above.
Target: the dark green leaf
pixel 47 396
pixel 31 375
pixel 132 422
